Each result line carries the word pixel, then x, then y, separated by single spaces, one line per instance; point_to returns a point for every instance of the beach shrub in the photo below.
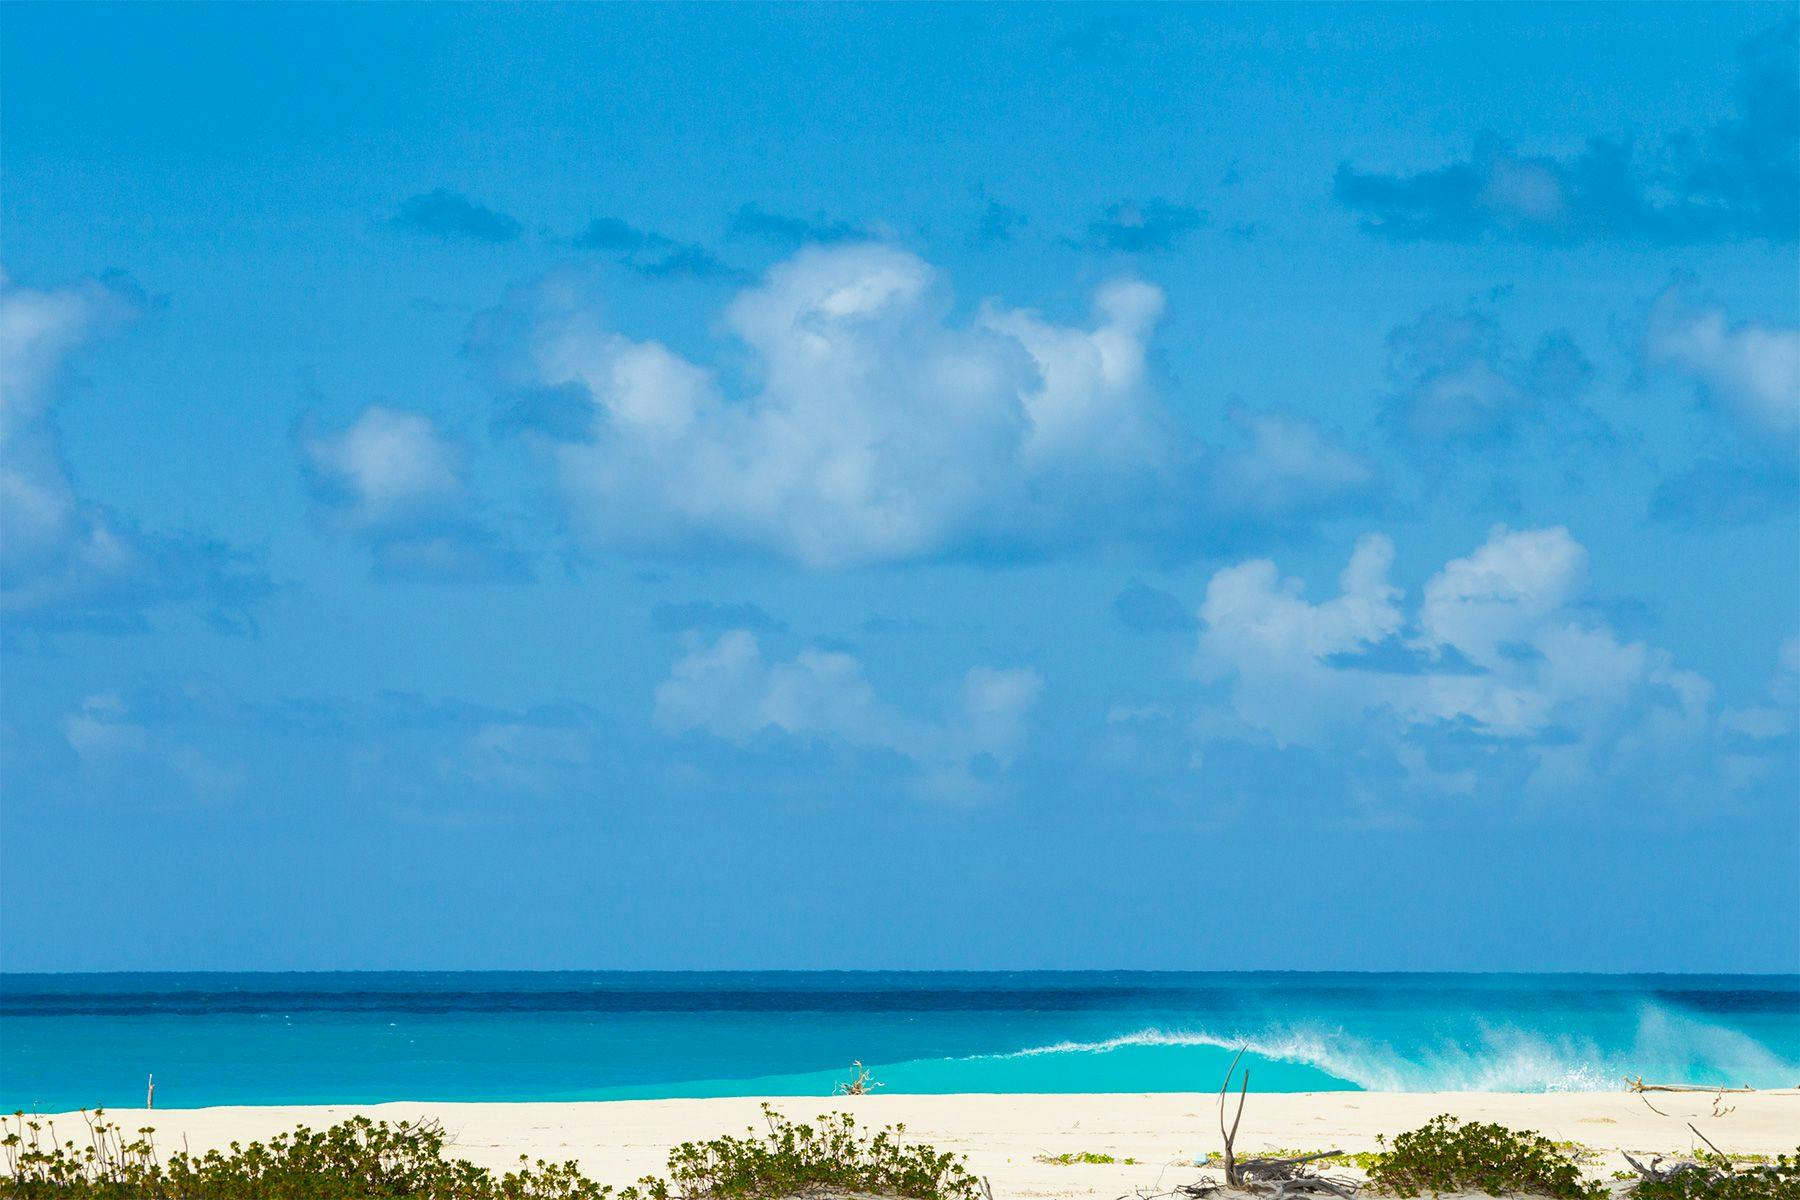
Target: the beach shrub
pixel 372 1160
pixel 792 1159
pixel 1733 1177
pixel 356 1160
pixel 1448 1155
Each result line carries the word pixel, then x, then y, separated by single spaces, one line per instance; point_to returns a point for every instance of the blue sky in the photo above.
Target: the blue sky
pixel 900 487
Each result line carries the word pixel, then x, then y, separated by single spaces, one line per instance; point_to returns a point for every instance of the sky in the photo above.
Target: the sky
pixel 887 487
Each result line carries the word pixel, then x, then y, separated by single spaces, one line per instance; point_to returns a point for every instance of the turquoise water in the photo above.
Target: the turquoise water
pixel 68 1041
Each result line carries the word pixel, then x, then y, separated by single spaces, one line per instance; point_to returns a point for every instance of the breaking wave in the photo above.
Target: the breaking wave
pixel 1663 1046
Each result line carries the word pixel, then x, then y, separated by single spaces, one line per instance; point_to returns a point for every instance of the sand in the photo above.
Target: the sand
pixel 1004 1135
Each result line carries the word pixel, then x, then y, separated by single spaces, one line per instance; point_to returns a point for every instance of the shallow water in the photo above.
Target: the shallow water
pixel 69 1041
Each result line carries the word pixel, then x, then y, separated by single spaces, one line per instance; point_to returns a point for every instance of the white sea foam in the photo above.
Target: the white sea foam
pixel 1487 1057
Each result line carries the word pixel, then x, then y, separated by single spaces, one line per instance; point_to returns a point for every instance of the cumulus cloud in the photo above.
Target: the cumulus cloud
pixel 1739 178
pixel 65 559
pixel 1457 379
pixel 728 688
pixel 871 427
pixel 392 479
pixel 1747 373
pixel 447 214
pixel 1751 370
pixel 1511 680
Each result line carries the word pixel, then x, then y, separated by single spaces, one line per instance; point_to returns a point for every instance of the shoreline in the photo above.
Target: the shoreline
pixel 1003 1135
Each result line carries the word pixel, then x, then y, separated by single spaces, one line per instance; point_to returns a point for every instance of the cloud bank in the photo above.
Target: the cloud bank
pixel 1498 682
pixel 867 425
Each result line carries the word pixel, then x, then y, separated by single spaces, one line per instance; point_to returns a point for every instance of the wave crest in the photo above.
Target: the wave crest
pixel 1485 1057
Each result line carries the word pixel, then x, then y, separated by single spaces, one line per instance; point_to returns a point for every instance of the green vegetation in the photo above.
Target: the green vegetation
pixel 1446 1155
pixel 1719 1177
pixel 368 1160
pixel 1086 1158
pixel 792 1159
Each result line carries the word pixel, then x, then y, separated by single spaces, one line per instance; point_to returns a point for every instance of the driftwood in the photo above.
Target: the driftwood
pixel 1286 1177
pixel 1275 1170
pixel 1638 1085
pixel 1294 1187
pixel 1232 1177
pixel 1315 1185
pixel 1654 1171
pixel 1716 1171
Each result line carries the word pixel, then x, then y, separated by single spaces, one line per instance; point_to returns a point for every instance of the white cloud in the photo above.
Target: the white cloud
pixel 116 751
pixel 1499 594
pixel 1259 632
pixel 396 480
pixel 1086 400
pixel 1500 673
pixel 61 555
pixel 1750 369
pixel 1288 467
pixel 52 541
pixel 870 427
pixel 730 689
pixel 1779 713
pixel 386 468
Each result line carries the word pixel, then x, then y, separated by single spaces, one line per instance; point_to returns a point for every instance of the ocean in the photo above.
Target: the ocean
pixel 71 1041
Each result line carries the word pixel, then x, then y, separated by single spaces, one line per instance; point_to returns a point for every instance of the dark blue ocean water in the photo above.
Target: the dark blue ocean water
pixel 69 1041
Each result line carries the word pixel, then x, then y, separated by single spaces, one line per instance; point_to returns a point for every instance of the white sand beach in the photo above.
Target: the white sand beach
pixel 1006 1137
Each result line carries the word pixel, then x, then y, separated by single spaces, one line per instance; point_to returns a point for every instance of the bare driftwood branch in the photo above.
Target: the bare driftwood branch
pixel 1232 1178
pixel 1273 1169
pixel 1708 1141
pixel 1315 1185
pixel 1657 1173
pixel 1285 1176
pixel 1638 1085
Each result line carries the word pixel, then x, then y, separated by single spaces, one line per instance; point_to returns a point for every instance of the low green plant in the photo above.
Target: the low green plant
pixel 1728 1177
pixel 1086 1158
pixel 372 1160
pixel 790 1159
pixel 1448 1155
pixel 357 1160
